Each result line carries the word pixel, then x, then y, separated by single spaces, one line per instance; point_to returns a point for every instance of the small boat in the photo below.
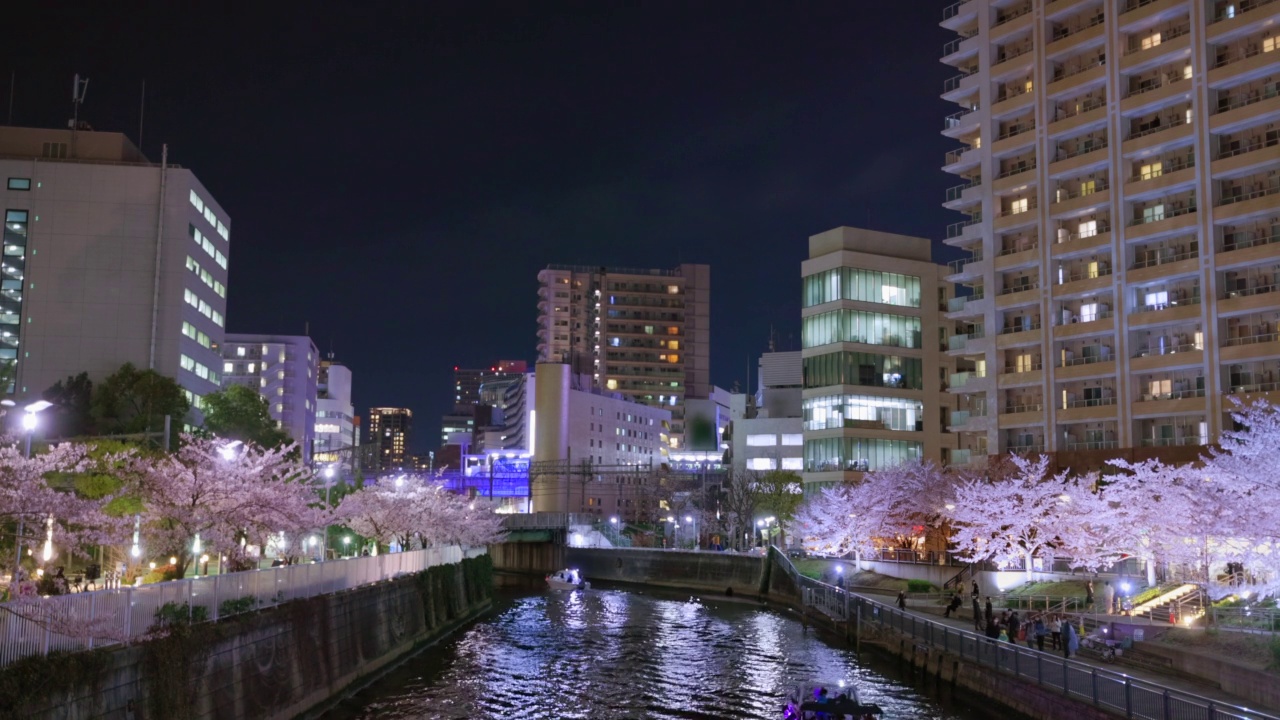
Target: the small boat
pixel 567 579
pixel 830 701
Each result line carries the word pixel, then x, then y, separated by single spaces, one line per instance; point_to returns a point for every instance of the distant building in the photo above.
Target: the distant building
pixel 873 369
pixel 467 381
pixel 767 430
pixel 645 334
pixel 86 219
pixel 284 370
pixel 335 416
pixel 390 430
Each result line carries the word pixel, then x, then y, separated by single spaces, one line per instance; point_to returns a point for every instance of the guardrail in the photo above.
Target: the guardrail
pixel 547 520
pixel 1114 691
pixel 122 615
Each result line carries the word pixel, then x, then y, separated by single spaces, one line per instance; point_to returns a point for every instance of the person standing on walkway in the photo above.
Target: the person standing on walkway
pixel 902 599
pixel 1108 596
pixel 975 590
pixel 1088 595
pixel 989 614
pixel 977 614
pixel 1013 627
pixel 1070 641
pixel 1055 629
pixel 1040 631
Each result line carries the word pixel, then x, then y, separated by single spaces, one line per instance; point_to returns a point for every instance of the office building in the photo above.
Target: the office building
pixel 335 416
pixel 1119 164
pixel 284 370
pixel 645 334
pixel 108 258
pixel 767 428
pixel 873 369
pixel 390 430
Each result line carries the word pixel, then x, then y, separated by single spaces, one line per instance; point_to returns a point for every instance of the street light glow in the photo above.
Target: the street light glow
pixel 29 421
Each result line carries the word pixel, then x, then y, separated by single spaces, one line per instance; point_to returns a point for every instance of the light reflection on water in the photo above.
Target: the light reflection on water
pixel 614 654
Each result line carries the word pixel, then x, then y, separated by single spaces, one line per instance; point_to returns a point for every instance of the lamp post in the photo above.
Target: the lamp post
pixel 329 472
pixel 29 423
pixel 346 544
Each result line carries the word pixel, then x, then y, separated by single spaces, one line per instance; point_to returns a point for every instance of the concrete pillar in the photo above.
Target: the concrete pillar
pixel 551 436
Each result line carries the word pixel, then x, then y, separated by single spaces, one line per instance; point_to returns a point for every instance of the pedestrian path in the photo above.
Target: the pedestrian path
pixel 1205 689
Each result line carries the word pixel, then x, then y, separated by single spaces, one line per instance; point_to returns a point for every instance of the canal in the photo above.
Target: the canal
pixel 623 654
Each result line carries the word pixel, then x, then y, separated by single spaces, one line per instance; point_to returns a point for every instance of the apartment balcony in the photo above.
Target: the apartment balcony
pixel 1258 201
pixel 1135 13
pixel 969 382
pixel 1076 78
pixel 1025 376
pixel 960 49
pixel 1011 104
pixel 1255 154
pixel 967 269
pixel 1173 220
pixel 1238 113
pixel 964 233
pixel 1068 203
pixel 1184 310
pixel 1055 9
pixel 1014 297
pixel 1012 23
pixel 1077 244
pixel 1080 161
pixel 1164 265
pixel 958 161
pixel 1103 323
pixel 1086 367
pixel 959 14
pixel 1251 393
pixel 1030 451
pixel 1016 416
pixel 1014 177
pixel 1250 249
pixel 1091 114
pixel 964 195
pixel 966 421
pixel 1014 140
pixel 1091 410
pixel 968 343
pixel 1172 43
pixel 1175 176
pixel 1009 219
pixel 961 123
pixel 1071 39
pixel 968 306
pixel 1017 258
pixel 1168 404
pixel 1019 336
pixel 1241 66
pixel 1169 357
pixel 1254 346
pixel 1249 16
pixel 1152 139
pixel 1157 93
pixel 1250 300
pixel 1082 284
pixel 1012 62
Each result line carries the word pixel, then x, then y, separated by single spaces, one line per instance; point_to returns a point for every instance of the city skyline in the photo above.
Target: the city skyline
pixel 281 132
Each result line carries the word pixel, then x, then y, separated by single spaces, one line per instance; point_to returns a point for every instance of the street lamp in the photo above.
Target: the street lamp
pixel 29 423
pixel 346 544
pixel 229 451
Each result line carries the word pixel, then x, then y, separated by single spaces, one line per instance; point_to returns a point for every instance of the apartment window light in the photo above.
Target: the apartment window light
pixel 19 183
pixel 1186 72
pixel 1151 41
pixel 1268 44
pixel 1087 229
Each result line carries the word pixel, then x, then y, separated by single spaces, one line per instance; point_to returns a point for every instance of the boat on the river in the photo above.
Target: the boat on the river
pixel 833 701
pixel 567 579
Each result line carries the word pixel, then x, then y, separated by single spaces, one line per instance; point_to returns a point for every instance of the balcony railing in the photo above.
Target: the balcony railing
pixel 956 304
pixel 1136 42
pixel 953 82
pixel 1087 359
pixel 958 265
pixel 1170 165
pixel 1009 92
pixel 955 192
pixel 960 379
pixel 1247 97
pixel 1247 291
pixel 1011 53
pixel 1026 449
pixel 1015 249
pixel 1173 395
pixel 1104 226
pixel 952 10
pixel 1016 170
pixel 1194 299
pixel 1021 368
pixel 1080 149
pixel 1063 32
pixel 953 120
pixel 1091 402
pixel 954 155
pixel 1239 8
pixel 1032 204
pixel 954 45
pixel 1063 195
pixel 1019 287
pixel 1014 329
pixel 1016 130
pixel 1254 388
pixel 1079 108
pixel 1242 147
pixel 1161 258
pixel 1241 239
pixel 1253 339
pixel 1012 15
pixel 1062 73
pixel 1193 437
pixel 1161 350
pixel 1170 77
pixel 1270 186
pixel 1091 444
pixel 1132 5
pixel 1163 215
pixel 1100 272
pixel 955 229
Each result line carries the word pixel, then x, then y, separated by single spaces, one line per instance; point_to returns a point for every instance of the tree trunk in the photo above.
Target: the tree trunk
pixel 1029 566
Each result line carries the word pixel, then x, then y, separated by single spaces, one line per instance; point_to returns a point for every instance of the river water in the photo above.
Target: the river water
pixel 621 654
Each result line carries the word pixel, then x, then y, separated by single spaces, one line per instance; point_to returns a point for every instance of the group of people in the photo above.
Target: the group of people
pixel 1034 629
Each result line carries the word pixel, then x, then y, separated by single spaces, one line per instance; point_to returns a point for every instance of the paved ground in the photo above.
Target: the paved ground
pixel 1204 690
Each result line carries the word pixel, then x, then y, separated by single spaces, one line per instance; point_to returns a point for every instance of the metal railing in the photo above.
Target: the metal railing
pixel 1063 194
pixel 1091 402
pixel 1079 109
pixel 1161 259
pixel 1114 691
pixel 1014 329
pixel 1252 144
pixel 1016 170
pixel 957 228
pixel 129 613
pixel 1261 620
pixel 1082 148
pixel 1271 188
pixel 1238 8
pixel 1173 395
pixel 1163 215
pixel 952 10
pixel 1023 368
pixel 1170 165
pixel 1136 42
pixel 1026 407
pixel 1254 388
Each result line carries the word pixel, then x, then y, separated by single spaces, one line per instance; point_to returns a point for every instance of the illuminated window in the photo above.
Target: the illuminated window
pixel 1153 213
pixel 762 440
pixel 673 344
pixel 1088 187
pixel 673 330
pixel 611 384
pixel 1186 72
pixel 1268 45
pixel 228 367
pixel 673 289
pixel 1089 228
pixel 19 183
pixel 762 464
pixel 1018 206
pixel 1150 41
pixel 794 439
pixel 196 201
pixel 673 358
pixel 240 351
pixel 252 366
pixel 1153 170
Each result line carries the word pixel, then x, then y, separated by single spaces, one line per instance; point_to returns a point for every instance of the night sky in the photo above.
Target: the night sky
pixel 397 173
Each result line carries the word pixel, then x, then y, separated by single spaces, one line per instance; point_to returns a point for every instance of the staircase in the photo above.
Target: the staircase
pixel 1183 602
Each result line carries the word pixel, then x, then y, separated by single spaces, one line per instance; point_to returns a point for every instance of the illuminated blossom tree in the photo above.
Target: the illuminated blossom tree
pixel 838 521
pixel 228 495
pixel 416 511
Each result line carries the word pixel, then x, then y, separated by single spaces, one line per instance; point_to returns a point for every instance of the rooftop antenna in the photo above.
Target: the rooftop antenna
pixel 142 111
pixel 13 81
pixel 78 89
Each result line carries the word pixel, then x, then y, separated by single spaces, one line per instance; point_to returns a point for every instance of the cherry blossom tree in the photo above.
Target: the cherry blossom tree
pixel 414 510
pixel 838 521
pixel 225 495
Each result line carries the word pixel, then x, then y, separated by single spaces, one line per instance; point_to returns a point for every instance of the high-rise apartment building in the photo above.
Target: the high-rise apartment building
pixel 874 371
pixel 335 415
pixel 467 381
pixel 1120 162
pixel 389 431
pixel 108 259
pixel 283 369
pixel 645 334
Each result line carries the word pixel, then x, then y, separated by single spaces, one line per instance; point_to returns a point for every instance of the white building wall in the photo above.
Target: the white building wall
pixel 335 416
pixel 284 369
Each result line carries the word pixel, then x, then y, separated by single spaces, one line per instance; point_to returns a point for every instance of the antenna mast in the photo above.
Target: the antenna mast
pixel 78 89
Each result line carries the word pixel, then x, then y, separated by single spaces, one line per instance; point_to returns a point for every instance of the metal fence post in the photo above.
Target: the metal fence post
pixel 93 614
pixel 1128 697
pixel 1039 670
pixel 1168 706
pixel 1016 653
pixel 1093 675
pixel 1066 679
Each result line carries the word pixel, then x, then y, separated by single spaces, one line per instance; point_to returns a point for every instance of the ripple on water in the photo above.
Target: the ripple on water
pixel 611 654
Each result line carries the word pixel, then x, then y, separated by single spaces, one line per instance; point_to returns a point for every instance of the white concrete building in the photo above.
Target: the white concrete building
pixel 108 259
pixel 335 428
pixel 767 428
pixel 284 369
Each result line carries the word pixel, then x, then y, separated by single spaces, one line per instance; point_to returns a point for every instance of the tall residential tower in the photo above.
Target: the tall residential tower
pixel 1120 163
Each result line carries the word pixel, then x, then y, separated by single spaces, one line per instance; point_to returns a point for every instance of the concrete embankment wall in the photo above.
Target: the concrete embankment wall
pixel 274 663
pixel 710 572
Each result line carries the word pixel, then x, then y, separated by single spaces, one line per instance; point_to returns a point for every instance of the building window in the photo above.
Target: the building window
pixel 19 183
pixel 762 440
pixel 762 464
pixel 793 439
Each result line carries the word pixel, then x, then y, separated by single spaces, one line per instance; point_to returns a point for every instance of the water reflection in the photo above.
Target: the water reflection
pixel 613 654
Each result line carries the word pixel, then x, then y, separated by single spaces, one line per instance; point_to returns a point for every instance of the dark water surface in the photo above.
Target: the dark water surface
pixel 618 654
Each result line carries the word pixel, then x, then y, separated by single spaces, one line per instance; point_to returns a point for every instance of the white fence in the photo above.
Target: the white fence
pixel 126 614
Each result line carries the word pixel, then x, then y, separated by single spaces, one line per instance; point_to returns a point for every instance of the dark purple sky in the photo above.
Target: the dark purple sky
pixel 397 173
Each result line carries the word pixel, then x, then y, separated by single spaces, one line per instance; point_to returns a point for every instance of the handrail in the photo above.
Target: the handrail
pixel 1165 215
pixel 1167 350
pixel 1014 329
pixel 953 120
pixel 1017 369
pixel 1010 212
pixel 1016 170
pixel 1076 277
pixel 1032 407
pixel 1244 98
pixel 1244 7
pixel 1017 130
pixel 1250 147
pixel 1172 395
pixel 1170 166
pixel 1254 387
pixel 1257 236
pixel 1252 339
pixel 1172 77
pixel 1092 444
pixel 1087 359
pixel 952 10
pixel 1060 196
pixel 1011 289
pixel 1160 260
pixel 1135 43
pixel 1273 187
pixel 1014 15
pixel 956 228
pixel 1081 149
pixel 1086 106
pixel 1014 249
pixel 1156 307
pixel 1064 32
pixel 1246 292
pixel 1100 61
pixel 1091 402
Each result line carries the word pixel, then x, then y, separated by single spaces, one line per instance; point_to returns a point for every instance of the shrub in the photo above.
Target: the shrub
pixel 172 614
pixel 1275 652
pixel 919 586
pixel 239 605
